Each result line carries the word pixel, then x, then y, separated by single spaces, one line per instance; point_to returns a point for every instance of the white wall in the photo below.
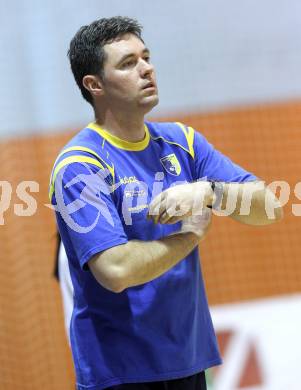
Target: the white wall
pixel 208 54
pixel 269 329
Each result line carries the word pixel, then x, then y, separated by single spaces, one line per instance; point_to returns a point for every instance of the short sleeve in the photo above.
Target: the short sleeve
pixel 213 165
pixel 86 212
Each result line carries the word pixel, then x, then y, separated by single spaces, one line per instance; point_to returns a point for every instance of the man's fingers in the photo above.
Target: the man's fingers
pixel 157 218
pixel 173 215
pixel 164 217
pixel 198 224
pixel 160 211
pixel 155 205
pixel 168 217
pixel 173 220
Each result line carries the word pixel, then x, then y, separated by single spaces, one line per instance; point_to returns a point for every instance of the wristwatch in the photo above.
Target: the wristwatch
pixel 218 190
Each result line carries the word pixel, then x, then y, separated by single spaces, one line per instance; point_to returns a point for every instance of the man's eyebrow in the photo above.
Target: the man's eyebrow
pixel 126 56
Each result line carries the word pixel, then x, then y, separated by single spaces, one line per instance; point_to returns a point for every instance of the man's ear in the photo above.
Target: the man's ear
pixel 93 84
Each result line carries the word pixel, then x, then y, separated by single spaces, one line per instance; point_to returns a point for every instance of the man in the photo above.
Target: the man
pixel 131 210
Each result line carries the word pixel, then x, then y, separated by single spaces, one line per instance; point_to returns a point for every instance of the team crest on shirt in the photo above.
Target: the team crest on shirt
pixel 171 164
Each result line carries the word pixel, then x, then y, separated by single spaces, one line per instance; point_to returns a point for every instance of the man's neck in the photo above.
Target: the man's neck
pixel 127 127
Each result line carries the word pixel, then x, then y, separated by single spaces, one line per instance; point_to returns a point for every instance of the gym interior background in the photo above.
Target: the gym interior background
pixel 232 71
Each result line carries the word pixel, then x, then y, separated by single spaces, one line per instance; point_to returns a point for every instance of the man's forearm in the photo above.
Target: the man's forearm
pixel 250 203
pixel 138 262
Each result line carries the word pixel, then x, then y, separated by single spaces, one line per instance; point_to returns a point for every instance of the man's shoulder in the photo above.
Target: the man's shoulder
pixel 84 148
pixel 85 143
pixel 171 129
pixel 85 139
pixel 175 133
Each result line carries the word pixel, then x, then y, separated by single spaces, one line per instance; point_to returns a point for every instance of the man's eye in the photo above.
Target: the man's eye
pixel 147 59
pixel 128 63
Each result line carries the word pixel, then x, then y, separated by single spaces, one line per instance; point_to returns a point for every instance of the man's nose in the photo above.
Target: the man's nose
pixel 146 68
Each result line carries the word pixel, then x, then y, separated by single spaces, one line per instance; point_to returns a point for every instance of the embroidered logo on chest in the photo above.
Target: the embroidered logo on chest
pixel 171 164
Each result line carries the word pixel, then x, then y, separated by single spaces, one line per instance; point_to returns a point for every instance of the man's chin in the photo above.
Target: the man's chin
pixel 149 102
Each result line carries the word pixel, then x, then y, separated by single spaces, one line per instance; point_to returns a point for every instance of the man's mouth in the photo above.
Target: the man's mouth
pixel 150 84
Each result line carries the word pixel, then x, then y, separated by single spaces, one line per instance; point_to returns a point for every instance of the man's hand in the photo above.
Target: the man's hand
pixel 138 262
pixel 251 203
pixel 180 201
pixel 198 224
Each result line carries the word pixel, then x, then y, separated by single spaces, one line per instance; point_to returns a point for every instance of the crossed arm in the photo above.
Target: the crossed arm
pixel 251 203
pixel 138 262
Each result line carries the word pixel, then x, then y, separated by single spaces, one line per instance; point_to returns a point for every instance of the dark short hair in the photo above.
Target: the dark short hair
pixel 86 53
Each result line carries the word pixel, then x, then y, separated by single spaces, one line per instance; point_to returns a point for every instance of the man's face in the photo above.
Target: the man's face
pixel 129 79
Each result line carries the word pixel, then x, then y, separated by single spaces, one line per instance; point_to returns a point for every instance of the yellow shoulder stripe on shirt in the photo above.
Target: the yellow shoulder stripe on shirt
pixel 189 137
pixel 88 150
pixel 71 159
pixel 189 134
pixel 71 149
pixel 170 142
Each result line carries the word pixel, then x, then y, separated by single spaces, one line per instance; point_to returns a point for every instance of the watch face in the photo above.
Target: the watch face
pixel 218 194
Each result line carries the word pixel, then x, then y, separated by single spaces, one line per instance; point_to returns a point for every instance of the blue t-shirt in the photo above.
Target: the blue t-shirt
pixel 101 187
